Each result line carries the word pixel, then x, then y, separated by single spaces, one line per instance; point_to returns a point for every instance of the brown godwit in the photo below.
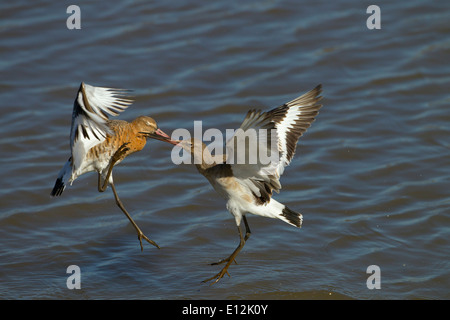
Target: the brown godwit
pixel 98 144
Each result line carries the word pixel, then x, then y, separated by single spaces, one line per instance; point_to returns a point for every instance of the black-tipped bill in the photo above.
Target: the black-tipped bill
pixel 159 135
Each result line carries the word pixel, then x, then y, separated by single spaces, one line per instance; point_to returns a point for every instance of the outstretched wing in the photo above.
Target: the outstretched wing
pixel 291 120
pixel 281 129
pixel 90 115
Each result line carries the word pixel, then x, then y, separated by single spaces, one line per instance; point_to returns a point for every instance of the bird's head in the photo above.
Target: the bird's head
pixel 148 127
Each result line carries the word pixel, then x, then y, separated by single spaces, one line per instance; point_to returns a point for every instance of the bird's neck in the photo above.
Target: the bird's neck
pixel 206 161
pixel 202 168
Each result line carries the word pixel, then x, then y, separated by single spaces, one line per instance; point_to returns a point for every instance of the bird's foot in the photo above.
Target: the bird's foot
pixel 218 276
pixel 141 235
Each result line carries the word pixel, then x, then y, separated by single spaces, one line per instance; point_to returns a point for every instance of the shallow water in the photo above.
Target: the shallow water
pixel 371 176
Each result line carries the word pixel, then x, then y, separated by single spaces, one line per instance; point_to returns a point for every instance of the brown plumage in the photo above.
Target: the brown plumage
pixel 98 144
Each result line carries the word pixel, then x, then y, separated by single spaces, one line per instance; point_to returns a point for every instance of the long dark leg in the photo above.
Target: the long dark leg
pixel 102 187
pixel 247 235
pixel 232 257
pixel 116 156
pixel 139 232
pixel 247 229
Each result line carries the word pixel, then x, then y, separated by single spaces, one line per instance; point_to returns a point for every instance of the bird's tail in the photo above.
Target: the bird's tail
pixel 291 217
pixel 62 179
pixel 274 209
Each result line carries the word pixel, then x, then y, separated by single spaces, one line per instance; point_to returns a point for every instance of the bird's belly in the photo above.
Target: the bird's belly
pixel 230 188
pixel 95 161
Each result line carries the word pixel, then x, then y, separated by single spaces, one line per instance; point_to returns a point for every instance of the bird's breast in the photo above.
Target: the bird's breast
pixel 101 154
pixel 232 188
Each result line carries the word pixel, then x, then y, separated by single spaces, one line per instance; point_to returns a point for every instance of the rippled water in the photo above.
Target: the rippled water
pixel 371 176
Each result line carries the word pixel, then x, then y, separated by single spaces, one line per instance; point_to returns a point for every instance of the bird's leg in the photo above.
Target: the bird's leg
pixel 138 230
pixel 247 235
pixel 102 187
pixel 232 257
pixel 116 157
pixel 247 229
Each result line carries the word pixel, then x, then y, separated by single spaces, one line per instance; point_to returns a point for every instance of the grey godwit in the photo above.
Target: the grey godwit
pixel 248 187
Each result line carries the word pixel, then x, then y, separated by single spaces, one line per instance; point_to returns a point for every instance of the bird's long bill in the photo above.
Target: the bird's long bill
pixel 160 135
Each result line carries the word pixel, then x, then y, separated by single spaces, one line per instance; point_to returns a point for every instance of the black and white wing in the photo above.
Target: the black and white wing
pixel 281 129
pixel 291 120
pixel 90 115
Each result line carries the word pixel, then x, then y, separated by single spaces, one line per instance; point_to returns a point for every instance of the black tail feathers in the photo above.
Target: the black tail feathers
pixel 292 217
pixel 58 188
